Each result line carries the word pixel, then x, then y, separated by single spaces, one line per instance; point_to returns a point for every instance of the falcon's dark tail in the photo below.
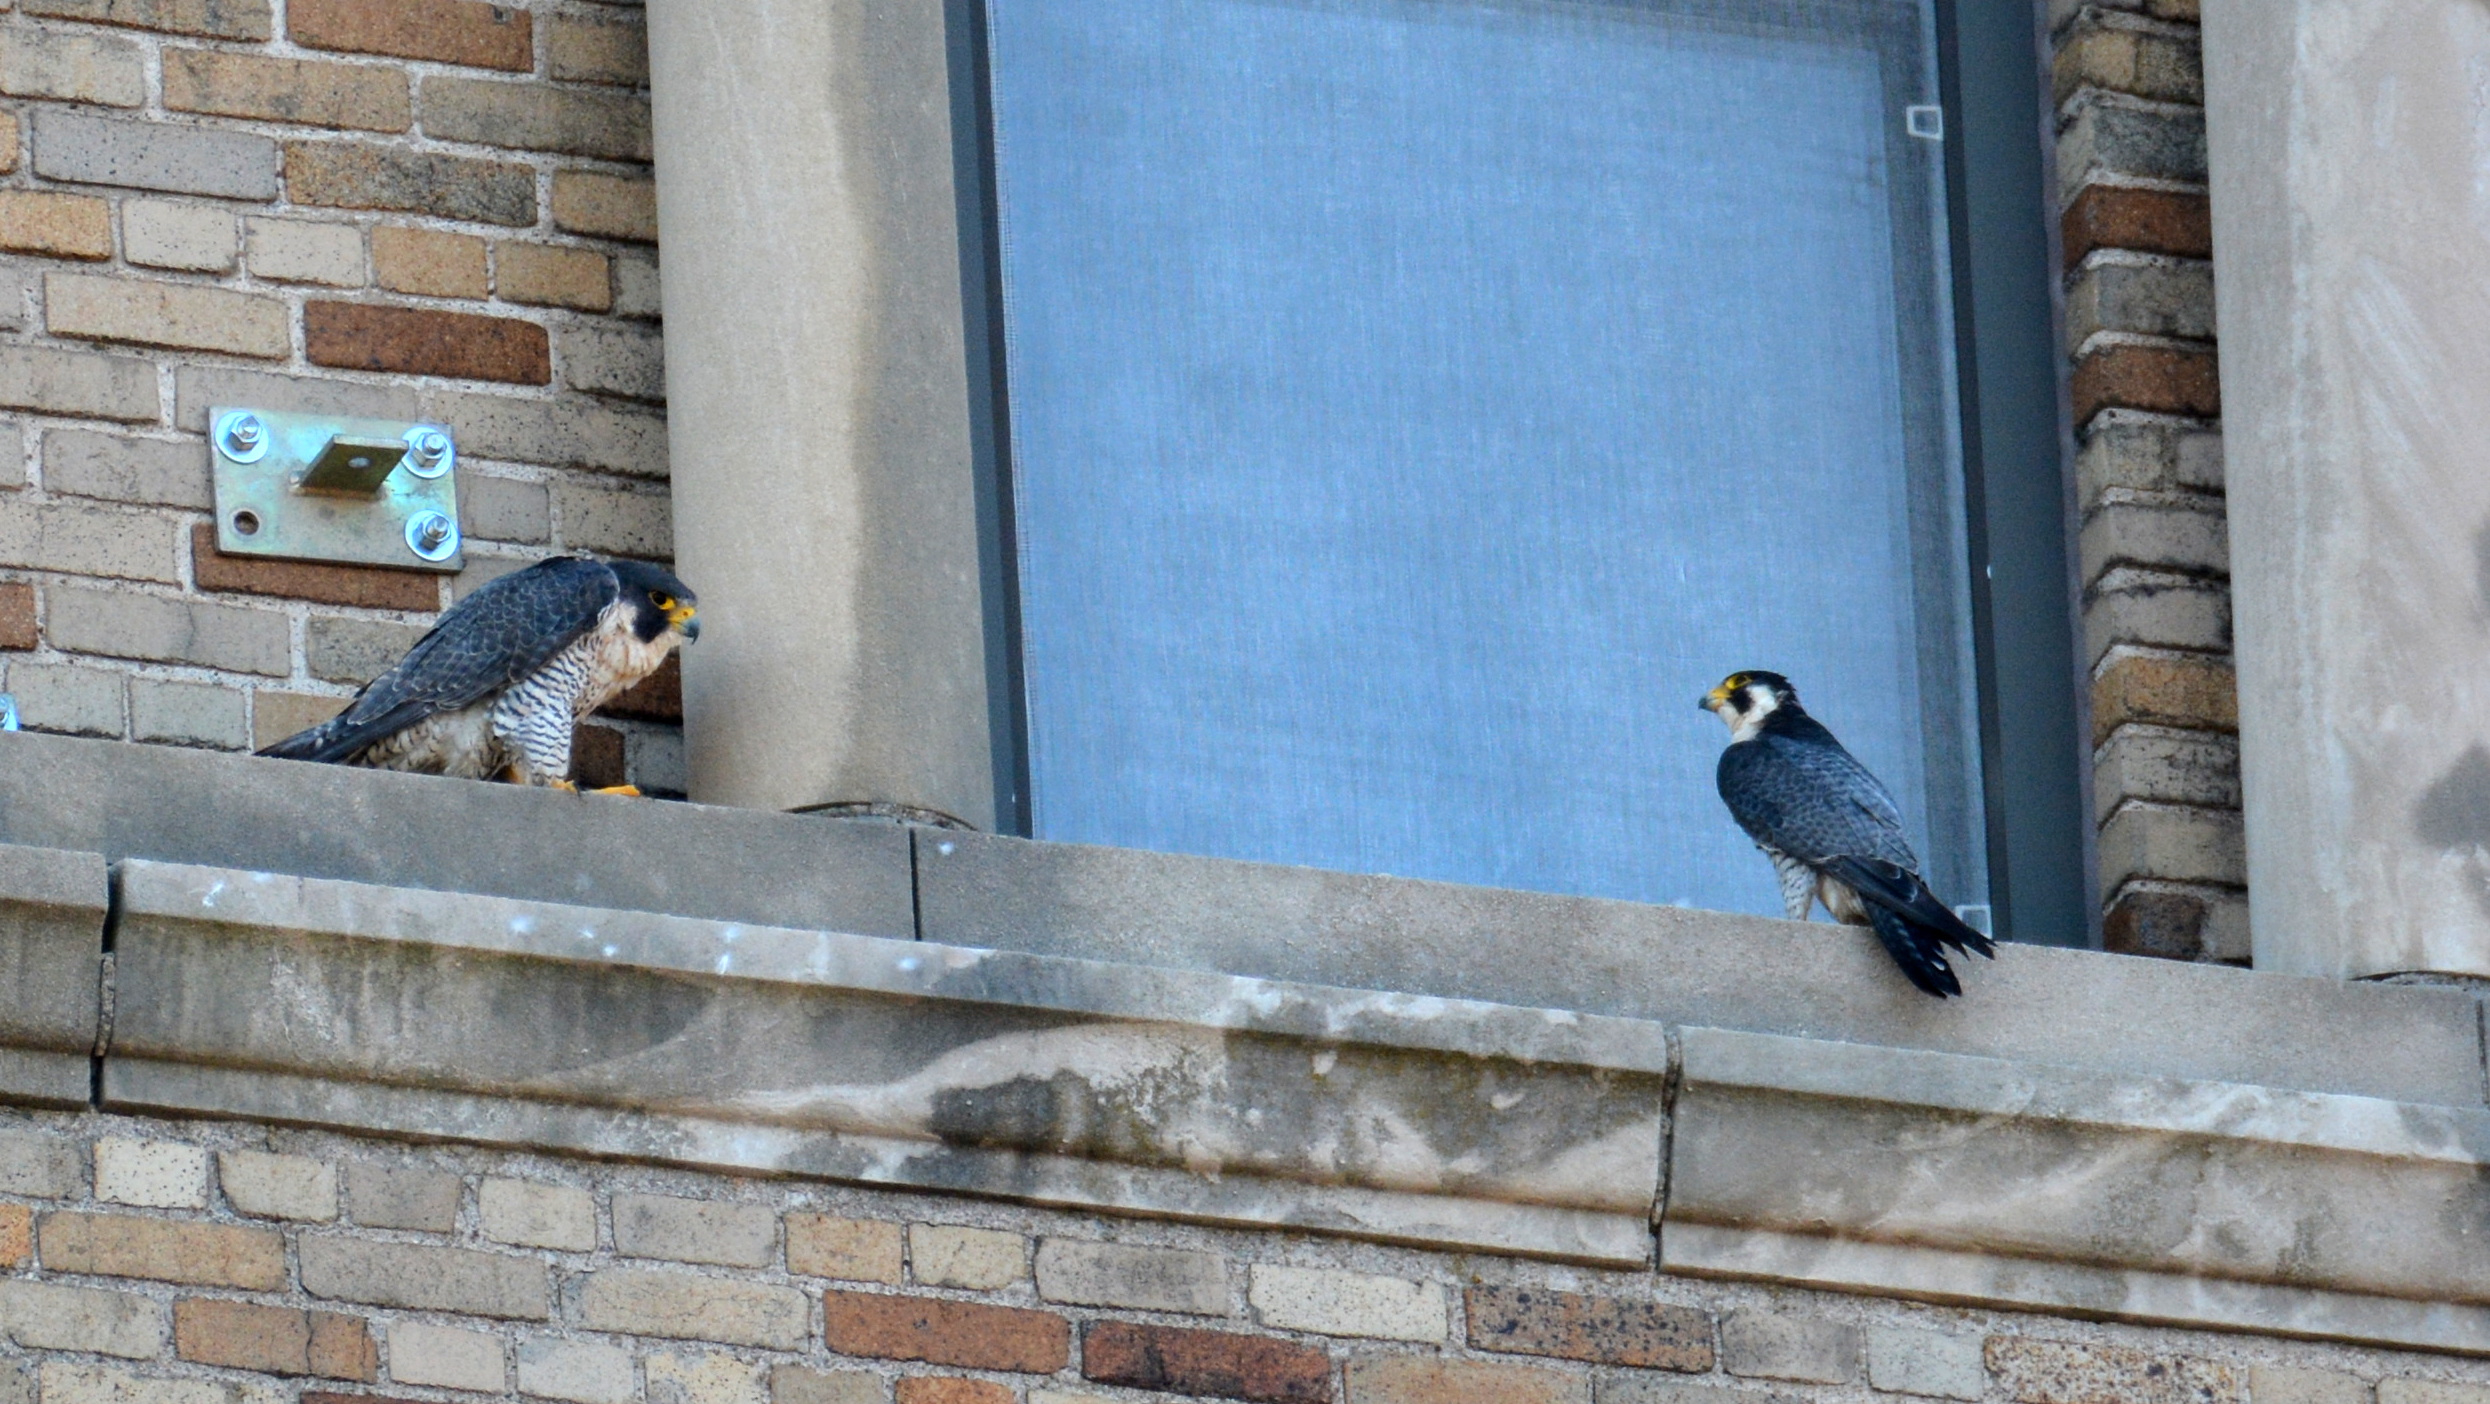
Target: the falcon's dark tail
pixel 328 742
pixel 1914 926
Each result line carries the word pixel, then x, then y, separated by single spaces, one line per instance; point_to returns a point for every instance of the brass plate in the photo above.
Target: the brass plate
pixel 286 522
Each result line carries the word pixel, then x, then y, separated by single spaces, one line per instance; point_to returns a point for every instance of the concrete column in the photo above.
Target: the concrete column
pixel 817 383
pixel 2350 152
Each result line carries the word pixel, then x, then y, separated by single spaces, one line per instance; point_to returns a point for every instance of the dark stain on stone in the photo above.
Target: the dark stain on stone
pixel 2454 812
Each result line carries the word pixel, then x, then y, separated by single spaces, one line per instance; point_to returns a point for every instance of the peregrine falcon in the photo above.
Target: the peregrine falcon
pixel 1832 831
pixel 493 690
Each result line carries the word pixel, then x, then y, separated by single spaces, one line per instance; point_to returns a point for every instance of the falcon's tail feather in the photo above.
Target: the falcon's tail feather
pixel 1915 927
pixel 328 743
pixel 1917 950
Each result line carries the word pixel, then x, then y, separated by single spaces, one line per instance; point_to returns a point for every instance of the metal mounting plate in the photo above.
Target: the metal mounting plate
pixel 264 507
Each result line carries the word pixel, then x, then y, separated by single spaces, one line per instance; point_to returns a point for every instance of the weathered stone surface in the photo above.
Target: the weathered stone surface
pixel 278 1186
pixel 1330 1302
pixel 1602 1330
pixel 581 1372
pixel 2067 1007
pixel 422 1278
pixel 1783 1346
pixel 41 1316
pixel 52 907
pixel 157 1174
pixel 379 1197
pixel 2274 1384
pixel 2053 1372
pixel 1931 1364
pixel 694 1230
pixel 981 1260
pixel 686 1307
pixel 2203 1203
pixel 450 835
pixel 537 1215
pixel 1128 1275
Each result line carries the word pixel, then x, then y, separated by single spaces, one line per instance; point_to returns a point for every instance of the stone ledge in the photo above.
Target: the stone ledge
pixel 1972 1179
pixel 52 910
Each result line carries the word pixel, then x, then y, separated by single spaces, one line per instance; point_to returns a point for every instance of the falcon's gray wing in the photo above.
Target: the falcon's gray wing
pixel 487 641
pixel 1805 796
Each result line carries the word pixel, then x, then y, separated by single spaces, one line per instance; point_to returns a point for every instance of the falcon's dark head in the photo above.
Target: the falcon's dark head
pixel 1745 698
pixel 658 601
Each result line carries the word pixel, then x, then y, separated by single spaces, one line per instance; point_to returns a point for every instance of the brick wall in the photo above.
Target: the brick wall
pixel 2147 403
pixel 149 1263
pixel 400 208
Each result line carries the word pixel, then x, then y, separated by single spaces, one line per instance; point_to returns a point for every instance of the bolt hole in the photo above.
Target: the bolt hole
pixel 246 523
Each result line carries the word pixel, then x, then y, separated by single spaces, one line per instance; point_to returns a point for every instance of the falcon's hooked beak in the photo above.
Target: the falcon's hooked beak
pixel 686 621
pixel 1714 700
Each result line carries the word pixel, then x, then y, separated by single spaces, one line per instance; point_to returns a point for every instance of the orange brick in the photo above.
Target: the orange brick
pixel 17 618
pixel 2181 692
pixel 277 1340
pixel 2149 221
pixel 362 587
pixel 46 222
pixel 657 698
pixel 429 262
pixel 552 275
pixel 1416 1380
pixel 419 341
pixel 969 1335
pixel 448 31
pixel 1227 1364
pixel 2164 379
pixel 17 1234
pixel 204 1255
pixel 951 1389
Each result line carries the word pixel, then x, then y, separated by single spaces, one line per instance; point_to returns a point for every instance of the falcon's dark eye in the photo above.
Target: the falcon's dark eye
pixel 661 599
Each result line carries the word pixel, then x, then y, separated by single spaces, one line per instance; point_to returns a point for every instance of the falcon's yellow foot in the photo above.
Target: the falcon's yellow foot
pixel 563 785
pixel 631 790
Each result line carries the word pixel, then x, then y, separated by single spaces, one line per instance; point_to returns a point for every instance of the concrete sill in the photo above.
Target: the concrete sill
pixel 1554 1077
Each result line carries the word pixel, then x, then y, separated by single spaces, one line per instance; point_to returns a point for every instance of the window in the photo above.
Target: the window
pixel 1414 405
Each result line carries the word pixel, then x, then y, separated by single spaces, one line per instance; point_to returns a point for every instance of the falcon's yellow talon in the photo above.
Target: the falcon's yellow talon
pixel 563 785
pixel 631 790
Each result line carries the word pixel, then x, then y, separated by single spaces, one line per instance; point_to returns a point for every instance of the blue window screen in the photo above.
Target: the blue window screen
pixel 1415 405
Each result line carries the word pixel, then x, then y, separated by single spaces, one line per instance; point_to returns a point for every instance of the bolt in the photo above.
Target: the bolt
pixel 431 535
pixel 434 532
pixel 428 452
pixel 244 437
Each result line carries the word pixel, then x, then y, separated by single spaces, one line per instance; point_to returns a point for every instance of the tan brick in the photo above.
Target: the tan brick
pixel 1416 1380
pixel 686 1307
pixel 419 341
pixel 2146 64
pixel 581 50
pixel 304 251
pixel 1784 1346
pixel 2168 841
pixel 695 1230
pixel 1330 1302
pixel 120 625
pixel 1930 1364
pixel 380 1197
pixel 614 360
pixel 165 314
pixel 9 142
pixel 369 97
pixel 276 715
pixel 504 509
pixel 357 651
pixel 2156 609
pixel 946 1255
pixel 1130 1275
pixel 2055 1372
pixel 966 1335
pixel 952 1389
pixel 188 714
pixel 276 1340
pixel 802 1384
pixel 67 698
pixel 269 1186
pixel 123 468
pixel 17 1234
pixel 360 176
pixel 581 1372
pixel 2201 693
pixel 205 1255
pixel 157 1174
pixel 468 32
pixel 197 387
pixel 361 587
pixel 615 438
pixel 39 1166
pixel 40 1316
pixel 166 234
pixel 64 226
pixel 1602 1330
pixel 612 207
pixel 65 1383
pixel 637 289
pixel 619 523
pixel 851 1250
pixel 705 1379
pixel 429 262
pixel 2431 1392
pixel 529 116
pixel 77 383
pixel 424 1278
pixel 17 615
pixel 82 540
pixel 72 67
pixel 524 1211
pixel 216 19
pixel 552 275
pixel 421 1353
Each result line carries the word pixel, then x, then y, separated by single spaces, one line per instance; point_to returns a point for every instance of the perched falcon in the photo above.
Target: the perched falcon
pixel 493 690
pixel 1832 831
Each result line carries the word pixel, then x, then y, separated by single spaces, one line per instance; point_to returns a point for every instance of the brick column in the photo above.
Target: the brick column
pixel 818 386
pixel 2354 230
pixel 2137 238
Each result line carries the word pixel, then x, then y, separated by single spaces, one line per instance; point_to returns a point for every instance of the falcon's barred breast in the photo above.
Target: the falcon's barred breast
pixel 493 690
pixel 1832 831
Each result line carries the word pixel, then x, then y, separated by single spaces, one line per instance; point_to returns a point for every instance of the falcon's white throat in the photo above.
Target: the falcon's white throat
pixel 1761 703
